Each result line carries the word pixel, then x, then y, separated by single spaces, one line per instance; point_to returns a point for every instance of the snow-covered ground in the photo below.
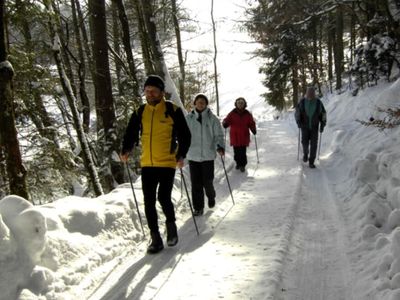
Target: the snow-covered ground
pixel 293 233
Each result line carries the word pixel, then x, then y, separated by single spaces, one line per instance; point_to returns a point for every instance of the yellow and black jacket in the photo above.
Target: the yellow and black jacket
pixel 163 132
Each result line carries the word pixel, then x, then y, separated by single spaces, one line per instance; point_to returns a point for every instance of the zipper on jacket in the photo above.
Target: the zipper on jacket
pixel 151 137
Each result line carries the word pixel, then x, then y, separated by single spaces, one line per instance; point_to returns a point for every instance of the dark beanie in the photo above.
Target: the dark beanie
pixel 155 80
pixel 200 96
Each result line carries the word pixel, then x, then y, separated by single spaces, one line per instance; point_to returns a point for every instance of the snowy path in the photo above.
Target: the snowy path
pixel 280 240
pixel 317 266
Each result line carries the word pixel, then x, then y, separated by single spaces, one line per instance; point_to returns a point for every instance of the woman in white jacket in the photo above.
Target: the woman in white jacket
pixel 207 141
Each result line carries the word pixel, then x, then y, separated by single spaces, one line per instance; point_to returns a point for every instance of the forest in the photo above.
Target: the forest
pixel 72 71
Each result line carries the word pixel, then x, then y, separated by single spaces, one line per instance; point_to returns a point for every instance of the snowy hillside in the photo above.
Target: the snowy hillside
pixel 294 233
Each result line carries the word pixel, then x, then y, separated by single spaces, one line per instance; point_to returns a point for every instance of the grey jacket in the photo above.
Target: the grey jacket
pixel 207 136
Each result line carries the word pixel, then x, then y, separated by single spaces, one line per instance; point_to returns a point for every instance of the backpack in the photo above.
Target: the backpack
pixel 302 105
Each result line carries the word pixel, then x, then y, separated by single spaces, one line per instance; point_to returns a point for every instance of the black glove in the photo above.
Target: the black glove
pixel 321 129
pixel 221 151
pixel 298 125
pixel 254 132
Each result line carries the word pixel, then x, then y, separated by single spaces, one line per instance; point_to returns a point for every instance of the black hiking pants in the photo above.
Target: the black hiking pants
pixel 239 155
pixel 309 140
pixel 202 177
pixel 163 178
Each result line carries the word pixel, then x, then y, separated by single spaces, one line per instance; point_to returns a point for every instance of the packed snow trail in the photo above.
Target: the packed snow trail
pixel 282 239
pixel 317 266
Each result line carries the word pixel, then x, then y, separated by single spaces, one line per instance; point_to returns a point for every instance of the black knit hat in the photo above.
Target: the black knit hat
pixel 155 80
pixel 200 95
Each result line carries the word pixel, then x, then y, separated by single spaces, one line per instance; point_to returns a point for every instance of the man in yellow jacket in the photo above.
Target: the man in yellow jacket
pixel 165 137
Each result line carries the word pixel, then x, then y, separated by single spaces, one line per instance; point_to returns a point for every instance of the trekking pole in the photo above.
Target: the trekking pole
pixel 225 137
pixel 134 197
pixel 190 204
pixel 255 138
pixel 181 186
pixel 227 180
pixel 319 146
pixel 298 145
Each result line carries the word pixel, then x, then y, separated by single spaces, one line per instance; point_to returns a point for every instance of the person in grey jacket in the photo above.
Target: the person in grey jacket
pixel 310 116
pixel 207 141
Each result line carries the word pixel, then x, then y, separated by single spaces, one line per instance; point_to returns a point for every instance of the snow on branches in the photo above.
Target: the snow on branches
pixel 390 121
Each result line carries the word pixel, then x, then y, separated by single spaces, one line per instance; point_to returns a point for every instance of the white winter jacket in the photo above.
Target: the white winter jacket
pixel 207 136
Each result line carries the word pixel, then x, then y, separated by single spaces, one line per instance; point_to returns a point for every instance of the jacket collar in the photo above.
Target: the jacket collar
pixel 203 113
pixel 240 112
pixel 158 106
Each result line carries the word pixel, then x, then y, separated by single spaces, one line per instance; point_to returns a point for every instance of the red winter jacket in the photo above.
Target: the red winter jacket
pixel 240 123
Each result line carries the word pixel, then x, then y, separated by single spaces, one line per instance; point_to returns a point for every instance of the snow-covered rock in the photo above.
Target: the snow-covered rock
pixel 394 219
pixel 377 212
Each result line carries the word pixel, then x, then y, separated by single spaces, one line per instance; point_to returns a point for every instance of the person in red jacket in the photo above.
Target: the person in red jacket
pixel 241 121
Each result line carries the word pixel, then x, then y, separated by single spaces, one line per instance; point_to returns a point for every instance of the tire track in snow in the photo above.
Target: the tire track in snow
pixel 317 266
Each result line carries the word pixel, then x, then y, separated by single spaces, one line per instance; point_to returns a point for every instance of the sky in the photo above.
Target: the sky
pixel 237 66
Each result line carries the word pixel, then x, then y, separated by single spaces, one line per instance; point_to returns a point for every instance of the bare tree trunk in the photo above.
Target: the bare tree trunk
pixel 215 56
pixel 303 77
pixel 65 51
pixel 181 61
pixel 352 34
pixel 81 70
pixel 67 120
pixel 146 51
pixel 338 47
pixel 159 64
pixel 86 43
pixel 331 39
pixel 87 158
pixel 8 133
pixel 127 47
pixel 112 170
pixel 153 39
pixel 295 83
pixel 117 48
pixel 315 55
pixel 4 187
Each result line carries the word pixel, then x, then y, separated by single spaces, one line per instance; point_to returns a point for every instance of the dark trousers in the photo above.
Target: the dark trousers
pixel 202 177
pixel 309 140
pixel 240 156
pixel 163 178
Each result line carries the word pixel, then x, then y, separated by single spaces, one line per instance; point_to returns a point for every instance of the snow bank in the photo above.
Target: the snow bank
pixel 22 241
pixel 50 248
pixel 369 185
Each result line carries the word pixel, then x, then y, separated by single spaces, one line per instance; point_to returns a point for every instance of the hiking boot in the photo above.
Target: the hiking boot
pixel 172 234
pixel 198 212
pixel 156 243
pixel 305 158
pixel 242 168
pixel 312 166
pixel 211 202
